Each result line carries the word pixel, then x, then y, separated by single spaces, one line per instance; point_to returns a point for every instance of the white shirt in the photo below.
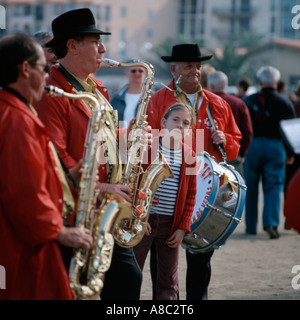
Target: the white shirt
pixel 192 98
pixel 165 198
pixel 131 100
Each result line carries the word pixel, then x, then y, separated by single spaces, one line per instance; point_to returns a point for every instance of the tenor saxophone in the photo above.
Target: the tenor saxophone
pixel 128 223
pixel 88 267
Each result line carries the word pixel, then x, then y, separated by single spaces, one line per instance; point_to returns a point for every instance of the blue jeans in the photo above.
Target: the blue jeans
pixel 265 159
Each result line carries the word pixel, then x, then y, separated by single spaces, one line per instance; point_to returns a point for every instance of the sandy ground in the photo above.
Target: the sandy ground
pixel 247 267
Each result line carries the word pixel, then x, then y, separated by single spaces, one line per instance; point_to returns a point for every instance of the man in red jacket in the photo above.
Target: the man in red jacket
pixel 186 60
pixel 31 191
pixel 78 46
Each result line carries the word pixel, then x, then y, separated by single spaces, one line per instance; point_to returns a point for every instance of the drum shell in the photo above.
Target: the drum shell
pixel 220 211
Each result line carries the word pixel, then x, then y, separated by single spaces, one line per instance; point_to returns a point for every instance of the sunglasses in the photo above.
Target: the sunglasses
pixel 46 67
pixel 136 70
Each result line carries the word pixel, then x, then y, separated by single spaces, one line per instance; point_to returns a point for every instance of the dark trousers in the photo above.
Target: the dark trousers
pixel 123 280
pixel 198 275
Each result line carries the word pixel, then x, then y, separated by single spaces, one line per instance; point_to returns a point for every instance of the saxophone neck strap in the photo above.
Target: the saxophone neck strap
pixel 72 80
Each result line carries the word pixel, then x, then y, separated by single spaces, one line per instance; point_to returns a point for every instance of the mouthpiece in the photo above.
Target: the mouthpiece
pixel 54 91
pixel 110 63
pixel 178 80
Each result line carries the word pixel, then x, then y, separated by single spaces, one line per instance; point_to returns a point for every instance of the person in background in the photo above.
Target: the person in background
pixel 242 87
pixel 266 155
pixel 292 203
pixel 32 192
pixel 281 88
pixel 206 69
pixel 297 99
pixel 217 83
pixel 126 100
pixel 292 168
pixel 186 62
pixel 43 37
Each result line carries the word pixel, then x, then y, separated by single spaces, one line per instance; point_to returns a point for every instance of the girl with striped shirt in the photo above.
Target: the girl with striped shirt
pixel 173 204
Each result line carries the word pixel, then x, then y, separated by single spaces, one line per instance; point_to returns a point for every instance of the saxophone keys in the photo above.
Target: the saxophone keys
pixel 142 194
pixel 139 210
pixel 126 237
pixel 138 228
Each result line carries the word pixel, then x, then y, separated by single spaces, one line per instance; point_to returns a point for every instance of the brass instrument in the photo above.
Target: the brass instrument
pixel 128 223
pixel 88 267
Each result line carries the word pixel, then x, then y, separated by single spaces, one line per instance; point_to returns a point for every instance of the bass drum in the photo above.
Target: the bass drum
pixel 220 199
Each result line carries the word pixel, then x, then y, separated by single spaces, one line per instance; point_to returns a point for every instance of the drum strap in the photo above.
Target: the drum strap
pixel 212 121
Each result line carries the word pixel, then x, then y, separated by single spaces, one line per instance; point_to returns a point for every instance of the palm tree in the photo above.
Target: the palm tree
pixel 233 57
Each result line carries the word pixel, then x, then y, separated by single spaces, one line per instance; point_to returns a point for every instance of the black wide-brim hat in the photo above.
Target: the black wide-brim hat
pixel 73 23
pixel 186 53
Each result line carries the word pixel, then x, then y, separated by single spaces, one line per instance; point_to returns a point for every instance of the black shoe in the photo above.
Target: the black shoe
pixel 272 232
pixel 251 232
pixel 286 226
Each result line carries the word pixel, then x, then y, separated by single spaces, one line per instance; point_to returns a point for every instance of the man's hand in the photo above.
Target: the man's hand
pixel 75 237
pixel 131 135
pixel 218 137
pixel 118 189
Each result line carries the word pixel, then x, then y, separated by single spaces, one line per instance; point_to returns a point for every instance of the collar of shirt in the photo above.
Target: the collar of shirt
pixel 89 85
pixel 182 97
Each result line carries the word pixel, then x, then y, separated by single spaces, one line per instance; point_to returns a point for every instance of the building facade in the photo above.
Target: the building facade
pixel 138 27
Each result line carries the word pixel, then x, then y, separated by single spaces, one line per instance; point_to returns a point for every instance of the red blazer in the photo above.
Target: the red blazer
pixel 67 120
pixel 291 202
pixel 30 207
pixel 164 98
pixel 242 118
pixel 186 196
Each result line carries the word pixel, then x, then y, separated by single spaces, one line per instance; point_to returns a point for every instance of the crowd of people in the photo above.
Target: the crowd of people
pixel 43 137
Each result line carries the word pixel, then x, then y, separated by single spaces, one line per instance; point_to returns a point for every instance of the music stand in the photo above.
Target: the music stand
pixel 290 130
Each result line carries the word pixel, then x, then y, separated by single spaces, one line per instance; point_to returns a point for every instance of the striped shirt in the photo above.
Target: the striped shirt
pixel 165 197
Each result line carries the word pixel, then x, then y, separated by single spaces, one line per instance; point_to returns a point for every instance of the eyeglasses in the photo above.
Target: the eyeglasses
pixel 46 67
pixel 96 42
pixel 136 70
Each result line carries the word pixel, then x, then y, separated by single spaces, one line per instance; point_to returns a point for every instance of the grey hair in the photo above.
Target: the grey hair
pixel 218 79
pixel 42 35
pixel 268 75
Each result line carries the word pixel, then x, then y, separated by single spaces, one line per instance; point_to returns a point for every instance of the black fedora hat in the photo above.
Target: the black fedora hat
pixel 186 53
pixel 73 23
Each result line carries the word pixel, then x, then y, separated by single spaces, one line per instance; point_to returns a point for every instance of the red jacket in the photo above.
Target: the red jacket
pixel 186 196
pixel 67 120
pixel 30 207
pixel 291 202
pixel 242 118
pixel 164 98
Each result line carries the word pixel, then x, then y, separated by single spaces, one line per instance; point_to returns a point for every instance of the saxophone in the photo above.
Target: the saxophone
pixel 87 268
pixel 128 223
